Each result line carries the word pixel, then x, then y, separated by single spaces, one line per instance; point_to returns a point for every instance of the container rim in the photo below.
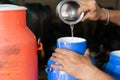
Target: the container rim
pixel 116 53
pixel 5 7
pixel 71 39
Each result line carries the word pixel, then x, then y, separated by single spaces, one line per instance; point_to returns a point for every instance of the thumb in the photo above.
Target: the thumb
pixel 89 57
pixel 87 53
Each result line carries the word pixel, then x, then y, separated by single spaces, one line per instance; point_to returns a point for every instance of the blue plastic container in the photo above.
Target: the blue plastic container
pixel 113 66
pixel 75 44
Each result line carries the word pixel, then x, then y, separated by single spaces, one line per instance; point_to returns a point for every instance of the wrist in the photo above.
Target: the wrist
pixel 100 75
pixel 105 16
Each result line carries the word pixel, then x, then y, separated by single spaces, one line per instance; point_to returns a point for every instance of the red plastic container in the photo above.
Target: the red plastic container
pixel 18 46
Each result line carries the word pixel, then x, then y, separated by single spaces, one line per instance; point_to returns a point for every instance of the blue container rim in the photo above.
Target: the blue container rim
pixel 115 55
pixel 71 39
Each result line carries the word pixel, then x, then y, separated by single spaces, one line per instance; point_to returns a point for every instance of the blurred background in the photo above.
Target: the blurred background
pixel 43 22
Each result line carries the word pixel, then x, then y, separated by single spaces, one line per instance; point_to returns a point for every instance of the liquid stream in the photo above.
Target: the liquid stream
pixel 72 28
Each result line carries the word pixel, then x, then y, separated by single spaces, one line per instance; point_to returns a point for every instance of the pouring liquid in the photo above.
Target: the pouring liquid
pixel 72 30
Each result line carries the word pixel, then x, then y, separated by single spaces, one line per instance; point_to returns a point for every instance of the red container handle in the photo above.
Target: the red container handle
pixel 40 46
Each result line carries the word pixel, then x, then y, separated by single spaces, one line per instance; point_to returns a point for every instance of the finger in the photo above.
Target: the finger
pixel 58 60
pixel 87 53
pixel 68 54
pixel 82 9
pixel 82 1
pixel 88 56
pixel 86 17
pixel 57 67
pixel 58 55
pixel 65 51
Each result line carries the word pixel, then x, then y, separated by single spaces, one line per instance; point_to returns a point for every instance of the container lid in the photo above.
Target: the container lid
pixel 4 7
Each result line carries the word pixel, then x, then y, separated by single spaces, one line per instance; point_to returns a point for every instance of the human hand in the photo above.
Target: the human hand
pixel 92 10
pixel 74 64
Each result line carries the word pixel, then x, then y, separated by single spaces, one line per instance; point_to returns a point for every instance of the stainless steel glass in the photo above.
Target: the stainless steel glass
pixel 67 11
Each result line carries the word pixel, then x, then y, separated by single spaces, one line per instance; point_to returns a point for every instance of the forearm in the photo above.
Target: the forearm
pixel 100 75
pixel 93 73
pixel 114 16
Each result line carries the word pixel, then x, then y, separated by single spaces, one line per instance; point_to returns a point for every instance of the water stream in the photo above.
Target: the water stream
pixel 72 30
